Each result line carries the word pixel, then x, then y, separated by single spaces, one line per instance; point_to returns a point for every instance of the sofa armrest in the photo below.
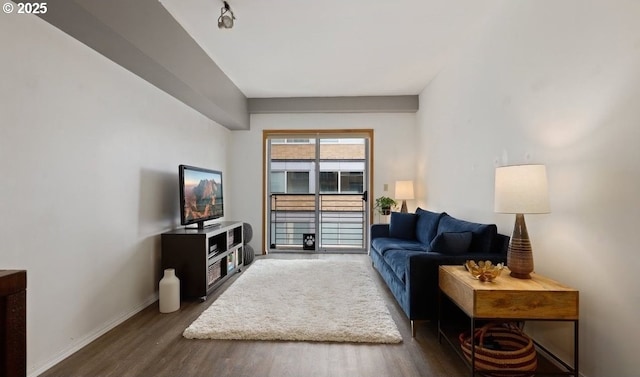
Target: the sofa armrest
pixel 379 230
pixel 422 285
pixel 422 279
pixel 501 244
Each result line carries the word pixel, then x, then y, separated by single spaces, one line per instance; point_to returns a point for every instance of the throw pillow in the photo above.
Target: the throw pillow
pixel 451 242
pixel 402 225
pixel 426 225
pixel 483 234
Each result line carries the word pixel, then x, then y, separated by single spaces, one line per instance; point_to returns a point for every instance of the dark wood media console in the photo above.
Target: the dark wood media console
pixel 203 258
pixel 13 323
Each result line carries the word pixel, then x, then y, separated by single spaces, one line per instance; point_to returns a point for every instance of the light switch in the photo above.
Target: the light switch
pixel 385 187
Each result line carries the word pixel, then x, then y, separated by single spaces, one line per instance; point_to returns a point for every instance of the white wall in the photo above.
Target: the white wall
pixel 556 83
pixel 89 155
pixel 394 156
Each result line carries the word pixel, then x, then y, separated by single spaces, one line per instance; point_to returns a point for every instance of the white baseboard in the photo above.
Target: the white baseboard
pixel 91 337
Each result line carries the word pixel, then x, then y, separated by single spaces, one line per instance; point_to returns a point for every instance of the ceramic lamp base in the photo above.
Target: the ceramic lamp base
pixel 520 254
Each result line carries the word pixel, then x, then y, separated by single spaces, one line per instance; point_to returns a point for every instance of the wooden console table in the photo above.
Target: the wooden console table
pixel 509 299
pixel 13 323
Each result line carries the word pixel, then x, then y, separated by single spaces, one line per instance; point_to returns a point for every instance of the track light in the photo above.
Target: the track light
pixel 225 21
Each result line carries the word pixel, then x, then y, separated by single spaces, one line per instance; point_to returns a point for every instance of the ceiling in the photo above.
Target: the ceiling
pixel 307 48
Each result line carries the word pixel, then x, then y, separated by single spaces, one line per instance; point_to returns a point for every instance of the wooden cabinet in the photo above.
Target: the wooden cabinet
pixel 203 258
pixel 13 323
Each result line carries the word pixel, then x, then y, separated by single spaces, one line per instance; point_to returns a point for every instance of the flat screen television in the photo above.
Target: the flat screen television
pixel 201 195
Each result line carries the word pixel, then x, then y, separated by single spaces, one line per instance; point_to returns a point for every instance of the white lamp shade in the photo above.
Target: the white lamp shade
pixel 404 190
pixel 521 189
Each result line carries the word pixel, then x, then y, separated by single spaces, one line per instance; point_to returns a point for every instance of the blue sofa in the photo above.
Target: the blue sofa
pixel 408 251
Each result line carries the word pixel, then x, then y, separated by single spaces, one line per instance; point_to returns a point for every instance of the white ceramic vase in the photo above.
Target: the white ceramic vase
pixel 169 291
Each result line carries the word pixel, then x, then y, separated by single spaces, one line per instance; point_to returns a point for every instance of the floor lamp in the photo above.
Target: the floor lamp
pixel 521 189
pixel 404 192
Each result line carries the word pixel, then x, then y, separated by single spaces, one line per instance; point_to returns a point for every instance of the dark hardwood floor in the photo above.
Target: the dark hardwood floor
pixel 151 344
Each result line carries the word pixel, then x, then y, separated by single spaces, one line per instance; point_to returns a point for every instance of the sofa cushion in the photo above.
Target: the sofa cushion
pixel 402 225
pixel 451 243
pixel 383 244
pixel 482 234
pixel 398 260
pixel 426 225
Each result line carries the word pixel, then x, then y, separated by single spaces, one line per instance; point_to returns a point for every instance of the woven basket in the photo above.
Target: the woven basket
pixel 501 350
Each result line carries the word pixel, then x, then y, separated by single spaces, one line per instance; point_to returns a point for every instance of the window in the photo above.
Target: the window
pixel 315 182
pixel 299 141
pixel 292 141
pixel 351 182
pixel 291 182
pixel 277 182
pixel 328 181
pixel 343 182
pixel 298 182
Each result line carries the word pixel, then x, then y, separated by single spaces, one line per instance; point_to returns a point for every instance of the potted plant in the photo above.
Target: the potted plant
pixel 384 205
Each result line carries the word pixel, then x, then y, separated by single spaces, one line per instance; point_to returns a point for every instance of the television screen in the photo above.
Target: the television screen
pixel 201 195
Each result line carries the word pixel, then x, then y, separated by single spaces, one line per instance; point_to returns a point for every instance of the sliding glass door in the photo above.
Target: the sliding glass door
pixel 317 192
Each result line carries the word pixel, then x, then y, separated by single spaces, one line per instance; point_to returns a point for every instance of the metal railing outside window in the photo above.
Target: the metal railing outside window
pixel 342 220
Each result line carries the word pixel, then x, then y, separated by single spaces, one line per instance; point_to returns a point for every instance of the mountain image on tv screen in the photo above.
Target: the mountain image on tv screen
pixel 202 195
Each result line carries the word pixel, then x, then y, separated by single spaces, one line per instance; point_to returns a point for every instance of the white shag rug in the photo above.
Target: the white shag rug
pixel 303 300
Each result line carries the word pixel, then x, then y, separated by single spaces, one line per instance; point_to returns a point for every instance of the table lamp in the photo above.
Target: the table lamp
pixel 404 191
pixel 521 189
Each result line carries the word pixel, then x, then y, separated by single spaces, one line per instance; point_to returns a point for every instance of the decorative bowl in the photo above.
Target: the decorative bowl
pixel 484 270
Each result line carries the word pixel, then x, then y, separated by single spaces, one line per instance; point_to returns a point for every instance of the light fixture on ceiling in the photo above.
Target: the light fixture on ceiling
pixel 225 21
